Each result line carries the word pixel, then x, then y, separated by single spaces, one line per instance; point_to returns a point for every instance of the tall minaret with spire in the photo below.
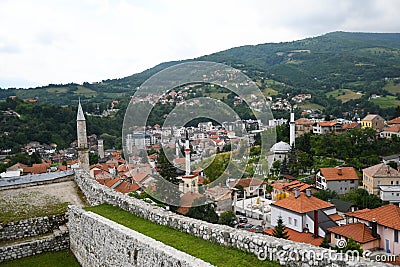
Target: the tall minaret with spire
pixel 190 182
pixel 292 130
pixel 187 155
pixel 83 148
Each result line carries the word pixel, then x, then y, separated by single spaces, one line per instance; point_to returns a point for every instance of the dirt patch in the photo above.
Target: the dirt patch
pixel 35 201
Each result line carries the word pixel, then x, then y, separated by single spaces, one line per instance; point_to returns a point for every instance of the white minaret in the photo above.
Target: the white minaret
pixel 177 148
pixel 100 148
pixel 187 155
pixel 83 148
pixel 292 129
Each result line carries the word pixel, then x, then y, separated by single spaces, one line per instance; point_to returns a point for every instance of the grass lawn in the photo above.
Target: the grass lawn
pixel 386 102
pixel 344 95
pixel 392 88
pixel 309 105
pixel 197 247
pixel 48 259
pixel 269 92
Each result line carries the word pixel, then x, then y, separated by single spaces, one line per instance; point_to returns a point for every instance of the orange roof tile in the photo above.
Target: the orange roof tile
pixel 336 217
pixel 126 187
pixel 302 204
pixel 388 215
pixel 112 182
pixel 394 121
pixel 246 182
pixel 37 168
pixel 307 238
pixel 350 126
pixel 393 129
pixel 326 123
pixel 303 121
pixel 140 177
pixel 357 231
pixel 341 173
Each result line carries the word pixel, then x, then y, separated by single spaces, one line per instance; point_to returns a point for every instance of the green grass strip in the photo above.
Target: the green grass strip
pixel 197 247
pixel 49 259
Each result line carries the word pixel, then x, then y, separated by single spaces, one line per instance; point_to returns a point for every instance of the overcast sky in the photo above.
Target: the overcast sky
pixel 44 42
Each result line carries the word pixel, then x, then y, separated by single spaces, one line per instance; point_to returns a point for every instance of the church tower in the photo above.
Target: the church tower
pixel 83 148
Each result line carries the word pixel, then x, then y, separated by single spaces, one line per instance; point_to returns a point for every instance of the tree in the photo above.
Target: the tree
pixel 227 218
pixel 280 229
pixel 325 243
pixel 165 168
pixel 204 212
pixel 93 158
pixel 361 198
pixel 326 194
pixel 351 246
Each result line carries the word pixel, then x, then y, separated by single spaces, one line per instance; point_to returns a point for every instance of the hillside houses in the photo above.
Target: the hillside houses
pixel 340 179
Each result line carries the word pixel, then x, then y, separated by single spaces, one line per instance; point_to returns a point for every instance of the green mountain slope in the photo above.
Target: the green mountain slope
pixel 356 61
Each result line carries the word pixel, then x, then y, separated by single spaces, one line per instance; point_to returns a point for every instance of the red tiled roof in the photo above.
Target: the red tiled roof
pixel 350 126
pixel 388 215
pixel 336 217
pixel 302 204
pixel 326 123
pixel 341 173
pixel 37 168
pixel 303 121
pixel 112 182
pixel 126 187
pixel 357 231
pixel 393 129
pixel 307 238
pixel 246 182
pixel 394 121
pixel 140 177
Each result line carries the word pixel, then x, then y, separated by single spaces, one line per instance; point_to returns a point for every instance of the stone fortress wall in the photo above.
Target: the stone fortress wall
pixel 286 252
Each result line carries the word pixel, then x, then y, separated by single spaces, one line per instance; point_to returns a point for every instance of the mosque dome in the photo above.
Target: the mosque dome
pixel 280 147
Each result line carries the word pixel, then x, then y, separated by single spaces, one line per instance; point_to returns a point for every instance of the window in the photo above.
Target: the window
pixel 397 182
pixel 352 181
pixel 290 220
pixel 396 236
pixel 295 222
pixel 337 236
pixel 391 182
pixel 379 182
pixel 385 227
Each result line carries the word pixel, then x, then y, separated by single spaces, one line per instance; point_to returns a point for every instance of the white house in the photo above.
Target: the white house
pixel 304 213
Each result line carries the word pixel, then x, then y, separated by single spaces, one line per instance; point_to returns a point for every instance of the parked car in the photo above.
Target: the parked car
pixel 245 226
pixel 243 220
pixel 256 229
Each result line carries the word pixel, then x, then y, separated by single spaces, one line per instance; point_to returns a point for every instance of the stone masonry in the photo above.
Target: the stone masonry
pixel 97 241
pixel 31 227
pixel 286 252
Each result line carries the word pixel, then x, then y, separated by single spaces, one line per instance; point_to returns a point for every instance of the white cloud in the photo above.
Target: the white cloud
pixel 47 41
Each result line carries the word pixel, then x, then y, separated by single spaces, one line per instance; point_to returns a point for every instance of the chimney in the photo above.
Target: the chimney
pixel 296 192
pixel 315 224
pixel 339 171
pixel 374 227
pixel 308 192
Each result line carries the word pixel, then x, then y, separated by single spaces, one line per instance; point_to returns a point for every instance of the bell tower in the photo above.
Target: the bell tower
pixel 83 148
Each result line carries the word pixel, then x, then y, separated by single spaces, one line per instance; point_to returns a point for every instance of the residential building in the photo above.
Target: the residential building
pixel 303 126
pixel 340 179
pixel 303 212
pixel 387 219
pixel 282 189
pixel 391 131
pixel 303 237
pixel 379 175
pixel 390 193
pixel 350 126
pixel 395 121
pixel 252 186
pixel 323 127
pixel 359 232
pixel 373 121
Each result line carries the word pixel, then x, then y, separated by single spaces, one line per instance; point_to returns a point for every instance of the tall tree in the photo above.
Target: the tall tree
pixel 280 229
